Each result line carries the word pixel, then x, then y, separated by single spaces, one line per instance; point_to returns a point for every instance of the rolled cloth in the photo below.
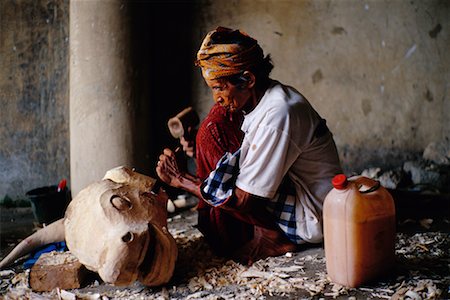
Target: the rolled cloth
pixel 226 52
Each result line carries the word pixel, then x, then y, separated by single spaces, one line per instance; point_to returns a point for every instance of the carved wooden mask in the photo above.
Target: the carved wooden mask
pixel 118 228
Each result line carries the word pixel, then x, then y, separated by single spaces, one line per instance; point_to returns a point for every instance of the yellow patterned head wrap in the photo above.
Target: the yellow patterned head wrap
pixel 223 53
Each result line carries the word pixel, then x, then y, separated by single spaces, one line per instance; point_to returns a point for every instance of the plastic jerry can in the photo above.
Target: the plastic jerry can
pixel 359 230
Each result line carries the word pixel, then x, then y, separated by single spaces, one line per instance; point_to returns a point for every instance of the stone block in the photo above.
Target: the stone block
pixel 57 269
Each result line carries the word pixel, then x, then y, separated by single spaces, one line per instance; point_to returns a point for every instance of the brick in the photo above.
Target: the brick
pixel 57 269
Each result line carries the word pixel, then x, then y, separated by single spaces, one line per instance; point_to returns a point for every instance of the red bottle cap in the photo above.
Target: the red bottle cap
pixel 62 185
pixel 339 181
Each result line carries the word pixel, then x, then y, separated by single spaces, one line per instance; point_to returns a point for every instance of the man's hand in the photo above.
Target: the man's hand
pixel 168 171
pixel 188 146
pixel 167 168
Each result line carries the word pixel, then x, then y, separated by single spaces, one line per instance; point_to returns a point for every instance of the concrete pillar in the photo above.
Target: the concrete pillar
pixel 101 110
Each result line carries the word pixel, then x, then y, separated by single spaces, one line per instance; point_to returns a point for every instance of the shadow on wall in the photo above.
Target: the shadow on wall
pixel 161 44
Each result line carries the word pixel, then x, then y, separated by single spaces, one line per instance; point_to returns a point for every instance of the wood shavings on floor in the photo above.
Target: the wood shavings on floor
pixel 421 272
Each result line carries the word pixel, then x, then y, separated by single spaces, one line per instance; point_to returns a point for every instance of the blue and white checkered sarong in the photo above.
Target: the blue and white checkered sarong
pixel 220 183
pixel 219 186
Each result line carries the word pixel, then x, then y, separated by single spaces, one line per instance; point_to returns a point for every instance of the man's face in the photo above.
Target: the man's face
pixel 231 97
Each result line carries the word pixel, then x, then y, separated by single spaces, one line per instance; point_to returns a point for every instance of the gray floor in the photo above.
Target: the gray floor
pixel 421 270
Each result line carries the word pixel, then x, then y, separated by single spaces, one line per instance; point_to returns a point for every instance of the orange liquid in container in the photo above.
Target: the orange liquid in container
pixel 359 231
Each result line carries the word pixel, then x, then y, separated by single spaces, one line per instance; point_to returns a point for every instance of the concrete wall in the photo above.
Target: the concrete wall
pixel 34 96
pixel 34 86
pixel 378 71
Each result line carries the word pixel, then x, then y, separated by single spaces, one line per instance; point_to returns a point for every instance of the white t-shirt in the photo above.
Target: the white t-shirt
pixel 281 137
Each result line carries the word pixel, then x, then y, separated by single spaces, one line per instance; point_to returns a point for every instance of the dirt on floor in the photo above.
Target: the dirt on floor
pixel 421 270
